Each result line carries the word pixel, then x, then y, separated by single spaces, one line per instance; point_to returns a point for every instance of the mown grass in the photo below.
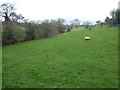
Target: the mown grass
pixel 63 61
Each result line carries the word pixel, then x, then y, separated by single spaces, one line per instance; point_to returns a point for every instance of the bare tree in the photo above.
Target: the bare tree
pixel 76 22
pixel 112 13
pixel 17 18
pixel 61 26
pixel 7 10
pixel 87 24
pixel 61 21
pixel 98 22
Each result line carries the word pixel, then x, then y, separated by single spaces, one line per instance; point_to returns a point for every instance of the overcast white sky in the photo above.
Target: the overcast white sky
pixel 91 10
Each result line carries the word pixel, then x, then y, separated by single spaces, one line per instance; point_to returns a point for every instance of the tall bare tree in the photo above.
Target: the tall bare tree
pixel 77 22
pixel 7 9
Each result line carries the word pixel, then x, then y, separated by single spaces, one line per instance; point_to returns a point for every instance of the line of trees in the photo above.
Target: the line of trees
pixel 15 28
pixel 115 20
pixel 14 32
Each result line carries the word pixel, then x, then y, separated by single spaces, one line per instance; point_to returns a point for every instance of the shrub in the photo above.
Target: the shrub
pixel 12 33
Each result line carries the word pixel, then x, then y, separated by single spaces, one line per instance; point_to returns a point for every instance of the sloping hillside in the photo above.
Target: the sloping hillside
pixel 66 60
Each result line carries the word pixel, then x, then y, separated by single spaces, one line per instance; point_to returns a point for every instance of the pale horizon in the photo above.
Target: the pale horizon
pixel 84 10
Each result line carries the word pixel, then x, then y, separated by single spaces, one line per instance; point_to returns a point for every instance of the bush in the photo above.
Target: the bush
pixel 12 33
pixel 30 32
pixel 8 34
pixel 46 30
pixel 19 33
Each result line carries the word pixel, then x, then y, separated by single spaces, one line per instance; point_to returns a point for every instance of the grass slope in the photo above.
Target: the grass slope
pixel 0 67
pixel 0 55
pixel 66 60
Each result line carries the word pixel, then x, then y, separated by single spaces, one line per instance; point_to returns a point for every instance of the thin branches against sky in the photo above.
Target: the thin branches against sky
pixel 67 9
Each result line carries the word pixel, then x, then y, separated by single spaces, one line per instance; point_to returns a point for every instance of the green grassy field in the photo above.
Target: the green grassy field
pixel 0 67
pixel 63 61
pixel 0 56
